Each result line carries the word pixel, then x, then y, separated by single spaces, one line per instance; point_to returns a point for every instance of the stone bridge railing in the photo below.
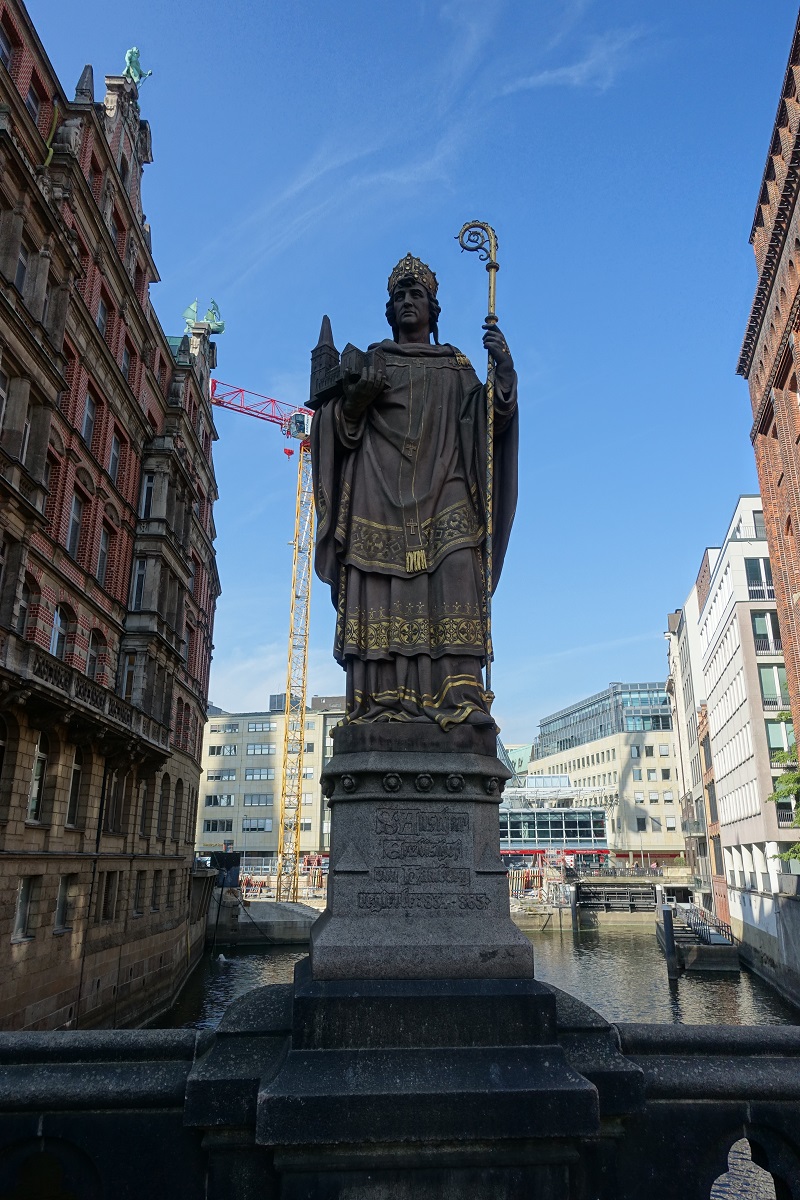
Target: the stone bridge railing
pixel 187 1114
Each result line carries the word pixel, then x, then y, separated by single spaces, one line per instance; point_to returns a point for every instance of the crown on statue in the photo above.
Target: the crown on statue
pixel 413 268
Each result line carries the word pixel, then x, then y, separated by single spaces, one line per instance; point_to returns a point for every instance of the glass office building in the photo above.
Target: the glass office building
pixel 621 708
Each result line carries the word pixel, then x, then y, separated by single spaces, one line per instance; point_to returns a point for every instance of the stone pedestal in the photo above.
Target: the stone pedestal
pixel 417 888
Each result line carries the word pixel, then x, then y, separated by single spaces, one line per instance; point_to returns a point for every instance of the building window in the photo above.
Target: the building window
pixel 26 435
pixel 65 901
pixel 780 738
pixel 102 555
pixel 258 799
pixel 27 893
pixel 638 797
pixel 21 273
pixel 261 726
pixel 663 751
pixel 155 892
pixel 774 689
pixel 641 824
pixel 220 800
pixel 75 519
pixel 169 899
pixel 308 772
pixel 652 775
pixel 308 797
pixel 222 773
pixel 653 797
pixel 138 893
pixel 665 773
pixel 75 788
pixel 261 747
pixel 3 398
pixel 22 615
pixel 33 103
pixel 309 748
pixel 668 797
pixel 113 460
pixel 126 362
pixel 102 317
pixel 146 505
pixel 258 773
pixel 93 654
pixel 636 752
pixel 257 825
pixel 759 579
pixel 89 414
pixel 38 776
pixel 6 49
pixel 766 633
pixel 139 575
pixel 305 825
pixel 637 774
pixel 218 826
pixel 58 637
pixel 232 728
pixel 228 750
pixel 128 674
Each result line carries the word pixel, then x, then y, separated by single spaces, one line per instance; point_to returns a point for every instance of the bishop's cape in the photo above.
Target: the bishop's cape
pixel 400 497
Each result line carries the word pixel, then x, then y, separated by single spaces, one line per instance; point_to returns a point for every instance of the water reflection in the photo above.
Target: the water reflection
pixel 622 973
pixel 618 971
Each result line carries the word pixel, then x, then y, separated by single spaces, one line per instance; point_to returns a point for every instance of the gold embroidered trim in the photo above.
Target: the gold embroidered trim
pixel 416 560
pixel 375 545
pixel 381 632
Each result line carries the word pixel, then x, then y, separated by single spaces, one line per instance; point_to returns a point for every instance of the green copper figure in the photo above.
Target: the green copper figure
pixel 214 318
pixel 133 68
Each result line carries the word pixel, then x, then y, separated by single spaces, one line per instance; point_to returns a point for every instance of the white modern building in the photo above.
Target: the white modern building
pixel 240 786
pixel 745 686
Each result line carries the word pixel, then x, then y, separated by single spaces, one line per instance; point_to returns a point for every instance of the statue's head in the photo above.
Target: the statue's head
pixel 412 270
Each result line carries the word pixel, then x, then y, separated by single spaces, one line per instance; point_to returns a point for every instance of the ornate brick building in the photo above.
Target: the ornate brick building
pixel 769 362
pixel 108 581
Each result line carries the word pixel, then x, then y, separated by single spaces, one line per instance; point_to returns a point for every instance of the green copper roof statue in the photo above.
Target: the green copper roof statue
pixel 133 68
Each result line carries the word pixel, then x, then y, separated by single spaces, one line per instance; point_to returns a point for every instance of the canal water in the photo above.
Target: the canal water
pixel 618 971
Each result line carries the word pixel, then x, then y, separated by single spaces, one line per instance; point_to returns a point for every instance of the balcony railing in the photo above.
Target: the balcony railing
pixel 776 703
pixel 73 690
pixel 765 645
pixel 760 591
pixel 785 816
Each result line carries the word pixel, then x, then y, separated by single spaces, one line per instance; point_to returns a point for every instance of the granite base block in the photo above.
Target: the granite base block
pixel 417 888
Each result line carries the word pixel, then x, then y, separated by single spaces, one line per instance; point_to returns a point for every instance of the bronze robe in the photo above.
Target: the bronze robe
pixel 400 496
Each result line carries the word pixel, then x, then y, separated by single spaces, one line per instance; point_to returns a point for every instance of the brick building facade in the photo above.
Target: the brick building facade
pixel 108 581
pixel 769 362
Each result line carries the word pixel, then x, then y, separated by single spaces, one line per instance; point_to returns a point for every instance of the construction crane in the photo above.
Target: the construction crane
pixel 294 423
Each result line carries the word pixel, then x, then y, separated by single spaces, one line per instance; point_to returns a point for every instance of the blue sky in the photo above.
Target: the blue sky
pixel 617 147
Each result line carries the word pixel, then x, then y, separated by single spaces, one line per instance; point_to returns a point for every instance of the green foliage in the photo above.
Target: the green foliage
pixel 787 787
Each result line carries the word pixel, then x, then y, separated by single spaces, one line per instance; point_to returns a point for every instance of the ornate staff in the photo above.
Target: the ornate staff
pixel 477 235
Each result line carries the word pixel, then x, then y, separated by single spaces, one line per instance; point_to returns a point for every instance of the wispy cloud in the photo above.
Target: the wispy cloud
pixel 244 684
pixel 607 55
pixel 593 648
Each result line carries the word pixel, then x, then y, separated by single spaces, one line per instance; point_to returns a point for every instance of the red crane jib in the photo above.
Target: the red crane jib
pixel 237 399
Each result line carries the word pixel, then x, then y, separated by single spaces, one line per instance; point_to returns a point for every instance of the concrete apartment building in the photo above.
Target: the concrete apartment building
pixel 618 748
pixel 745 687
pixel 240 791
pixel 108 581
pixel 686 690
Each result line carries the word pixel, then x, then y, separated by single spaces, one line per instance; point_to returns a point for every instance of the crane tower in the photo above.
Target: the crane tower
pixel 294 423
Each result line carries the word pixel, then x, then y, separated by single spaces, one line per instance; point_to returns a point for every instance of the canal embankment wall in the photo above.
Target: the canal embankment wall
pixel 768 930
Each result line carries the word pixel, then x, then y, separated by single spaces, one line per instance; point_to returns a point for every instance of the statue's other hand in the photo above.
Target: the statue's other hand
pixel 359 395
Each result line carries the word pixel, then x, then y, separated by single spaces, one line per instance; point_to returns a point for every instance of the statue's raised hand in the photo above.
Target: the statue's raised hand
pixel 359 394
pixel 495 342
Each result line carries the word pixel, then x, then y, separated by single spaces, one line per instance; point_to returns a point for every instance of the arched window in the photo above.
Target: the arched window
pixel 75 787
pixel 38 776
pixel 58 636
pixel 94 653
pixel 163 807
pixel 177 810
